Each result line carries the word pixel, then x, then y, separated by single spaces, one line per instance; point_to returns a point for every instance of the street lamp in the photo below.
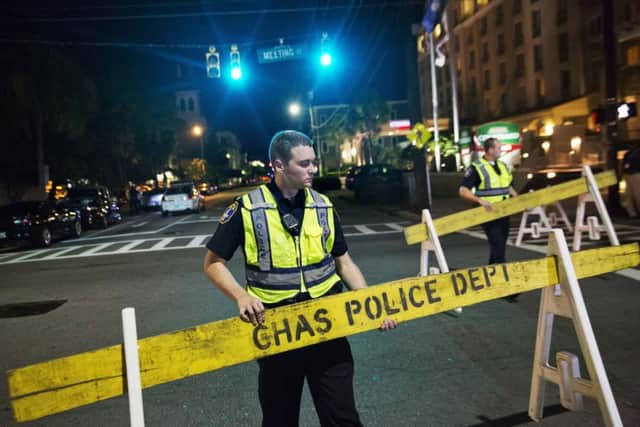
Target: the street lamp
pixel 198 132
pixel 294 109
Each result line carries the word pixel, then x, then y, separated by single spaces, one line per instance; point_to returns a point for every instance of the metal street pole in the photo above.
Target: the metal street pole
pixel 434 102
pixel 454 84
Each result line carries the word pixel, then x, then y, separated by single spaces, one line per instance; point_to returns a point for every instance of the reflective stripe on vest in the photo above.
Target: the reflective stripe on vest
pixel 493 187
pixel 279 266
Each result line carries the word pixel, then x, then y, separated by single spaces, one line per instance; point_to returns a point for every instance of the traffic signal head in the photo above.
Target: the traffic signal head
pixel 213 63
pixel 325 53
pixel 234 59
pixel 325 59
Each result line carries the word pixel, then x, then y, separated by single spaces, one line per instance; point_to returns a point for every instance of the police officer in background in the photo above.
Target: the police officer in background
pixel 294 251
pixel 491 180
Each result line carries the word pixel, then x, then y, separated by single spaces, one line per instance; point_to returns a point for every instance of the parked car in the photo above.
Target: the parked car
pixel 182 197
pixel 207 188
pixel 38 223
pixel 97 207
pixel 152 199
pixel 378 182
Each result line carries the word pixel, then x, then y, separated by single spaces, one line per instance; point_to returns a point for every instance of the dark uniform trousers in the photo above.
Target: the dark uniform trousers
pixel 497 232
pixel 328 368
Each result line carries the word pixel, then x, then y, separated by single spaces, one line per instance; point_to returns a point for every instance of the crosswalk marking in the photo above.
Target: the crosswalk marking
pixel 129 246
pixel 98 248
pixel 162 243
pixel 58 253
pixel 177 242
pixel 364 229
pixel 26 256
pixel 197 241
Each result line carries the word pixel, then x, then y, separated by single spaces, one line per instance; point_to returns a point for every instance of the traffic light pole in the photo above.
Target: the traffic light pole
pixel 610 132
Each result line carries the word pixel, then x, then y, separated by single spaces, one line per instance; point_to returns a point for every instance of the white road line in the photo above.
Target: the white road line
pixel 197 241
pixel 57 254
pixel 140 233
pixel 8 255
pixel 394 226
pixel 370 234
pixel 28 255
pixel 364 229
pixel 162 243
pixel 128 246
pixel 201 220
pixel 140 224
pixel 97 248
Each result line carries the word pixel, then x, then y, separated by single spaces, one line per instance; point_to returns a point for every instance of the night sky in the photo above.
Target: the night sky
pixel 370 40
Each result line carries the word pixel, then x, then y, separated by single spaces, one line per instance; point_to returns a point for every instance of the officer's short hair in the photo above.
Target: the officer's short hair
pixel 283 142
pixel 489 143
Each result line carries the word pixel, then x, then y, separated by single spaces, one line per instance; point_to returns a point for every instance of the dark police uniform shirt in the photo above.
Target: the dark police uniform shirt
pixel 230 232
pixel 472 178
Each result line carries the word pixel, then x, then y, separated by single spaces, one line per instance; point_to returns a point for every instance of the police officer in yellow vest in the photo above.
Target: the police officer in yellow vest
pixel 294 251
pixel 491 180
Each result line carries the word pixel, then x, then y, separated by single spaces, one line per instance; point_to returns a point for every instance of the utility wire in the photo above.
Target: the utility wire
pixel 210 13
pixel 150 45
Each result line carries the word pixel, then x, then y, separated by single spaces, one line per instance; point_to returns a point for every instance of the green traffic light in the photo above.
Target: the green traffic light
pixel 236 73
pixel 325 59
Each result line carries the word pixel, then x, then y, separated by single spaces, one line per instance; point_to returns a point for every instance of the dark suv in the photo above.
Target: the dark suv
pixel 95 204
pixel 377 182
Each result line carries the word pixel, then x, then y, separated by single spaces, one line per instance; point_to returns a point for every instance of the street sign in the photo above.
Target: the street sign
pixel 283 52
pixel 507 133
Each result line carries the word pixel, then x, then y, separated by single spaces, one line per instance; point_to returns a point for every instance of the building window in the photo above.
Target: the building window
pixel 535 23
pixel 483 25
pixel 183 105
pixel 565 82
pixel 562 12
pixel 504 105
pixel 540 91
pixel 563 47
pixel 500 44
pixel 521 98
pixel 485 53
pixel 537 57
pixel 517 6
pixel 487 80
pixel 499 14
pixel 502 73
pixel 517 34
pixel 472 60
pixel 633 55
pixel 472 87
pixel 191 104
pixel 519 70
pixel 469 37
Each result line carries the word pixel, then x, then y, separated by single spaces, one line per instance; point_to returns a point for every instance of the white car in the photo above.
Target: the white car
pixel 182 197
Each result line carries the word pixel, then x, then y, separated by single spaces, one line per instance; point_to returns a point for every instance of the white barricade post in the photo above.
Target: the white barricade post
pixel 545 221
pixel 432 244
pixel 534 228
pixel 134 384
pixel 565 299
pixel 592 226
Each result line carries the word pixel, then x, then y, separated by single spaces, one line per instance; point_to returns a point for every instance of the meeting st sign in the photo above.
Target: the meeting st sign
pixel 283 52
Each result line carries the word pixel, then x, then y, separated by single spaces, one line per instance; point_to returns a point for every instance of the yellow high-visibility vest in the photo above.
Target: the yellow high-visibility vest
pixel 493 187
pixel 279 265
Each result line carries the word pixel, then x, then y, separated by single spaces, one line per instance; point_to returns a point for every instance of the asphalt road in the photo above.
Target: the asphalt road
pixel 445 370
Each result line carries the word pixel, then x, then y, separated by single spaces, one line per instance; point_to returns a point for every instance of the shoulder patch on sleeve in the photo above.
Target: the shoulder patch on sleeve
pixel 228 213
